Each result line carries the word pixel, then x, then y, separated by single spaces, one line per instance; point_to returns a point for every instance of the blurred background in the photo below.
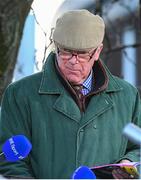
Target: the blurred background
pixel 122 43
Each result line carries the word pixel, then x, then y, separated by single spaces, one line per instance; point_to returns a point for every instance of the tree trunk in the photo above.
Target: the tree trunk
pixel 13 14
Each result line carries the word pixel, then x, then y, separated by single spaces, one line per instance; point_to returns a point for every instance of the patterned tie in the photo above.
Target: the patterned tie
pixel 78 90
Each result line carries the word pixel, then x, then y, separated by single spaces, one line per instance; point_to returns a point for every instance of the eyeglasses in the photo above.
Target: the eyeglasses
pixel 80 56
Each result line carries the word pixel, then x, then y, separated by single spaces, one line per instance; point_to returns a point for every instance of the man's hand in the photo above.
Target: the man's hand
pixel 125 161
pixel 125 172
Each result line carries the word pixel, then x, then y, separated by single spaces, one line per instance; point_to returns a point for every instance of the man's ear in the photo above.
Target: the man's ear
pixel 98 51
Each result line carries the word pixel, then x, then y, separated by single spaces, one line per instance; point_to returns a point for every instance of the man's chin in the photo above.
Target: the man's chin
pixel 75 81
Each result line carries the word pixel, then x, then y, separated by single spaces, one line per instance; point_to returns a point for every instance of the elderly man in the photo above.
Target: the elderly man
pixel 74 111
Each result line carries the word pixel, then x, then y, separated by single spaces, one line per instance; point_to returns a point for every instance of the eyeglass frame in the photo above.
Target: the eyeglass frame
pixel 76 54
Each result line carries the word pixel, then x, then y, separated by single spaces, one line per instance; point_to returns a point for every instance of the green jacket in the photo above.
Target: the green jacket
pixel 63 137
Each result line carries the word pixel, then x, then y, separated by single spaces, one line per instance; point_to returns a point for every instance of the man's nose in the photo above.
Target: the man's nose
pixel 73 59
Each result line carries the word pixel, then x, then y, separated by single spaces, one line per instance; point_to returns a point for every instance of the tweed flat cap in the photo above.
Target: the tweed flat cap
pixel 79 30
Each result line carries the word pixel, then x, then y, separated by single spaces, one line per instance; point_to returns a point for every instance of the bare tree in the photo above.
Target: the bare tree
pixel 12 18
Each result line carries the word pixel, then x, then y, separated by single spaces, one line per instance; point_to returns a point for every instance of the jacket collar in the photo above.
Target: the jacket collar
pixel 113 84
pixel 51 84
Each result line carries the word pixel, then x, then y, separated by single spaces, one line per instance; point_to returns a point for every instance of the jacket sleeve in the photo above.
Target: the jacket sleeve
pixel 13 121
pixel 133 150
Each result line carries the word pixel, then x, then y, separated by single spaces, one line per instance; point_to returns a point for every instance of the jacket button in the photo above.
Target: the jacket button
pixel 94 126
pixel 81 130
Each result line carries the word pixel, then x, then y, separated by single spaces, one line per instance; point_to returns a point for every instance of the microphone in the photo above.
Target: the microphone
pixel 83 172
pixel 15 148
pixel 133 133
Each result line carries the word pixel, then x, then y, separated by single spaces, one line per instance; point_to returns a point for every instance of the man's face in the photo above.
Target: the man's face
pixel 76 66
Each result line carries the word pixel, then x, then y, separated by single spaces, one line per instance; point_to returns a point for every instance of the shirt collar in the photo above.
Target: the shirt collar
pixel 88 82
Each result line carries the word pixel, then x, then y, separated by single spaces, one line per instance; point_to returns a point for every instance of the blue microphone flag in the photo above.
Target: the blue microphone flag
pixel 83 172
pixel 16 148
